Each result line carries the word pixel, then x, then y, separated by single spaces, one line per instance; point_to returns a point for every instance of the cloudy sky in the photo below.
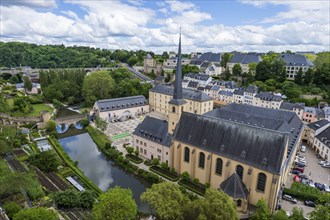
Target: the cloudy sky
pixel 218 26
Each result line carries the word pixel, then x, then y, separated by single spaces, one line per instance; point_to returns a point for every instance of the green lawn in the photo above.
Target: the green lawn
pixel 37 108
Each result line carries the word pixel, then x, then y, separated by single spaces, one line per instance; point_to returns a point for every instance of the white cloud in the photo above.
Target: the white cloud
pixel 118 25
pixel 30 3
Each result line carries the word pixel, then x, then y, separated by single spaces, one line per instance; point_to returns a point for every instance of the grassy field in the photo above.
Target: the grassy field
pixel 37 108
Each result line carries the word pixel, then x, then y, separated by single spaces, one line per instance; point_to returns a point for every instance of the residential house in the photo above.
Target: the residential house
pixel 293 62
pixel 297 107
pixel 225 97
pixel 249 93
pixel 243 59
pixel 322 144
pixel 310 114
pixel 239 96
pixel 267 100
pixel 313 129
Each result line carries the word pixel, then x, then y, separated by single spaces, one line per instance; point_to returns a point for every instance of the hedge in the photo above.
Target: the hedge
pixel 165 173
pixel 98 137
pixel 305 192
pixel 65 157
pixel 195 187
pixel 134 158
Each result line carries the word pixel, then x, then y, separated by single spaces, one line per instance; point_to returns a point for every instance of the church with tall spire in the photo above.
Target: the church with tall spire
pixel 176 104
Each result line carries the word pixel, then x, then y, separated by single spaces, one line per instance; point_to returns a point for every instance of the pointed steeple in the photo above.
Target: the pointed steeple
pixel 177 95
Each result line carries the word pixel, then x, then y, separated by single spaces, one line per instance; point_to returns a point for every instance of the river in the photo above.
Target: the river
pixel 104 173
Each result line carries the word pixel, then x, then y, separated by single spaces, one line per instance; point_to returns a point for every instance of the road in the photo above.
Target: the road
pixel 138 74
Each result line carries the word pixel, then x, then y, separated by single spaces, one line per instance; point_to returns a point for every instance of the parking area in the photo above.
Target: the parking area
pixel 315 172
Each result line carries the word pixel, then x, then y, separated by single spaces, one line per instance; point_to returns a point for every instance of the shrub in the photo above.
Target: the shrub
pixel 196 180
pixel 164 165
pixel 129 150
pixel 136 152
pixel 185 175
pixel 155 162
pixel 11 208
pixel 147 162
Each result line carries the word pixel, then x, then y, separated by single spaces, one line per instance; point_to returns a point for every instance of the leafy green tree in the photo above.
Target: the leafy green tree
pixel 263 69
pixel 216 205
pixel 100 123
pixel 98 85
pixel 22 105
pixel 225 59
pixel 320 212
pixel 280 215
pixel 46 161
pixel 130 150
pixel 252 68
pixel 115 204
pixel 50 125
pixel 299 77
pixel 132 60
pixel 14 79
pixel 155 162
pixel 67 199
pixel 167 200
pixel 308 77
pixel 39 213
pixel 297 214
pixel 11 208
pixel 237 69
pixel 87 198
pixel 262 212
pixel 27 83
pixel 321 59
pixel 136 152
pixel 4 107
pixel 165 55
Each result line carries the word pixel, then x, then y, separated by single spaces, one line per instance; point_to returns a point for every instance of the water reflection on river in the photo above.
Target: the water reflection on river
pixel 103 173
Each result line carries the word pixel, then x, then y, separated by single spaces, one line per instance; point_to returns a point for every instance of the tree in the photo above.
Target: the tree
pixel 155 162
pixel 280 215
pixel 262 212
pixel 36 214
pixel 129 150
pixel 185 175
pixel 132 60
pixel 237 69
pixel 11 208
pixel 299 77
pixel 216 205
pixel 46 161
pixel 115 204
pixel 297 214
pixel 320 212
pixel 96 86
pixel 136 152
pixel 225 59
pixel 50 126
pixel 252 68
pixel 4 107
pixel 167 200
pixel 262 71
pixel 27 83
pixel 308 77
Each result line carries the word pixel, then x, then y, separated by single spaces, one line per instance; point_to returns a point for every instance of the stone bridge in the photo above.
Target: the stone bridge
pixel 9 120
pixel 72 119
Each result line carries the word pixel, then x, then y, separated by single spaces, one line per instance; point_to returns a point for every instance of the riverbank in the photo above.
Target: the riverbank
pixel 65 157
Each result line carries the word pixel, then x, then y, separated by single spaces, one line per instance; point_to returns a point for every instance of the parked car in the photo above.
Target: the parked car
pixel 295 172
pixel 326 188
pixel 320 186
pixel 303 148
pixel 299 169
pixel 289 198
pixel 311 183
pixel 303 176
pixel 301 157
pixel 309 203
pixel 324 162
pixel 300 164
pixel 326 166
pixel 305 181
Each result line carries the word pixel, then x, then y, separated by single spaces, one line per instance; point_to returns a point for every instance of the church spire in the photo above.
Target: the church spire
pixel 177 95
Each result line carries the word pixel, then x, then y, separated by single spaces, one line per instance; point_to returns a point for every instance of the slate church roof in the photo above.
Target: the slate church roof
pixel 195 95
pixel 155 130
pixel 248 144
pixel 234 187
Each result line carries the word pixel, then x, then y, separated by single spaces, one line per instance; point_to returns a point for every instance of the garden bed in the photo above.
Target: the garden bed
pixel 134 158
pixel 147 162
pixel 195 187
pixel 165 173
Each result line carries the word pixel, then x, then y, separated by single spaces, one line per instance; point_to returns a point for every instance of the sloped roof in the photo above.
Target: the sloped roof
pixel 268 96
pixel 226 93
pixel 251 145
pixel 155 130
pixel 252 89
pixel 324 137
pixel 296 60
pixel 121 103
pixel 318 124
pixel 290 106
pixel 195 95
pixel 273 119
pixel 239 91
pixel 215 88
pixel 193 84
pixel 234 187
pixel 210 57
pixel 245 58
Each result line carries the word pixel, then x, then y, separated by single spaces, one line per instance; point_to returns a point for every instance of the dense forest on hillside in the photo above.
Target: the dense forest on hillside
pixel 13 54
